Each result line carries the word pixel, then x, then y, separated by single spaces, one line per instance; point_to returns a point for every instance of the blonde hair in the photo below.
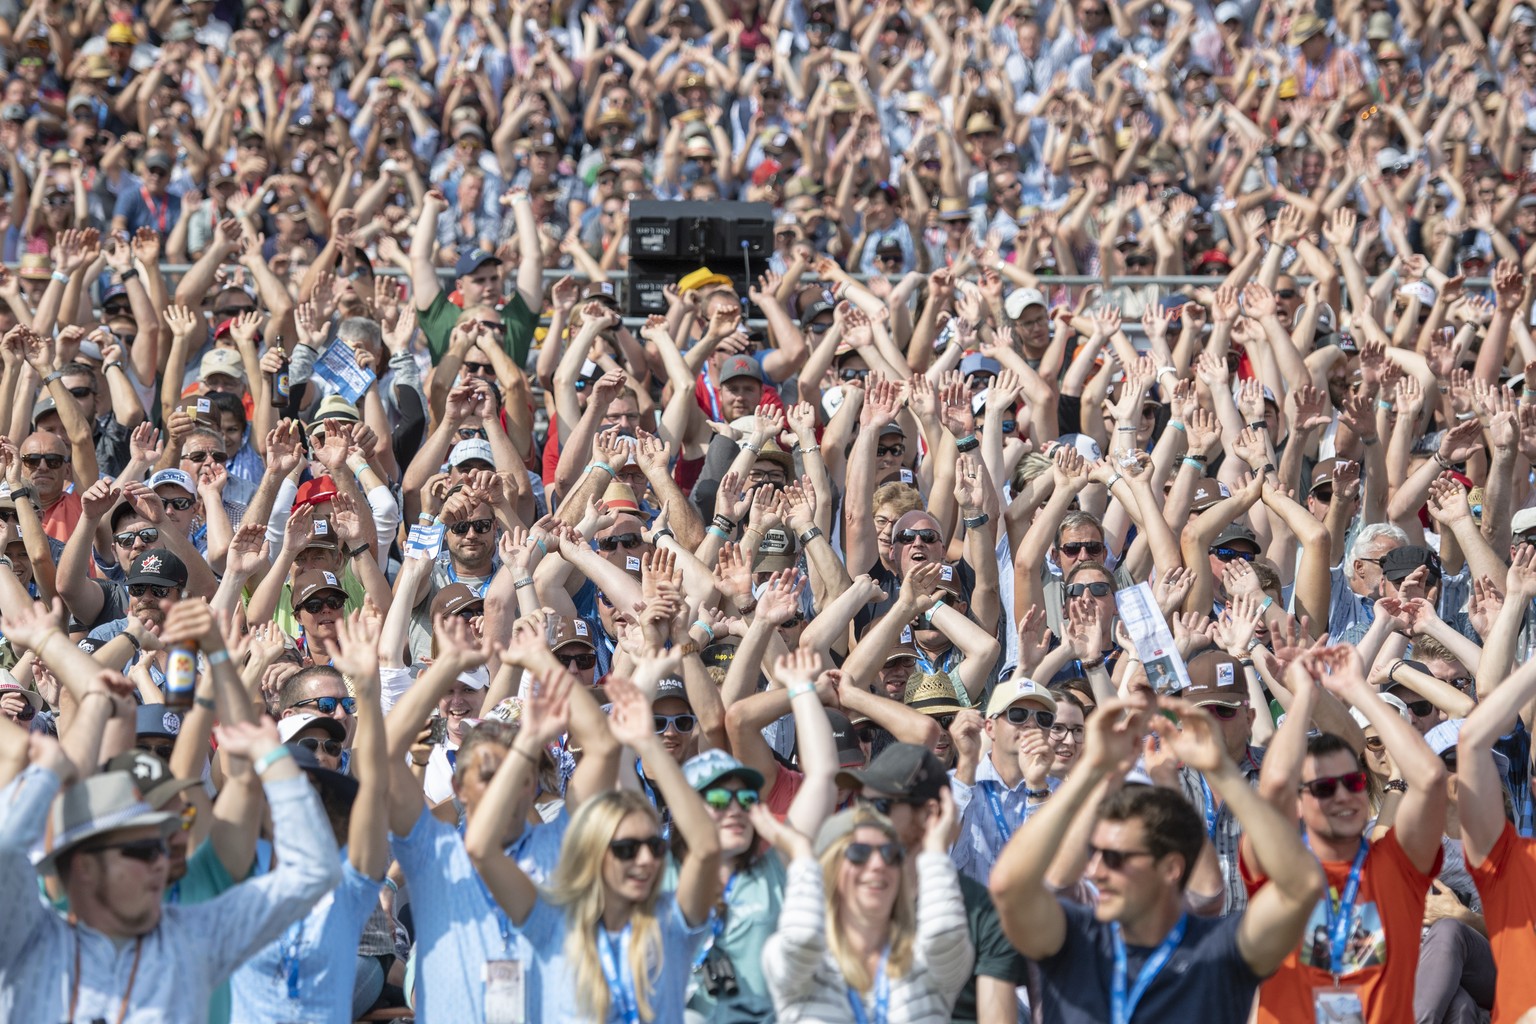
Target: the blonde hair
pixel 903 916
pixel 577 887
pixel 900 497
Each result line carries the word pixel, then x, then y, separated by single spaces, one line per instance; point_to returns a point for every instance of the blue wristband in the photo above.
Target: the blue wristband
pixel 1176 425
pixel 719 533
pixel 273 756
pixel 1196 463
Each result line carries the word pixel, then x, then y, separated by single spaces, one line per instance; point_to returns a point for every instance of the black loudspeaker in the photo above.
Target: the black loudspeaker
pixel 669 240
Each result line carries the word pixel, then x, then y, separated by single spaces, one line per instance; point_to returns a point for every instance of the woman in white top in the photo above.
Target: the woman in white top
pixel 854 943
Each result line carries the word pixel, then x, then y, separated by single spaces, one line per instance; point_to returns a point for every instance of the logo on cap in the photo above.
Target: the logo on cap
pixel 947 573
pixel 330 578
pixel 581 627
pixel 631 562
pixel 906 635
pixel 148 769
pixel 151 563
pixel 171 723
pixel 1224 674
pixel 322 528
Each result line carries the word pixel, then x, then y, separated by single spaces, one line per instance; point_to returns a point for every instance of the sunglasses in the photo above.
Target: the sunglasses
pixel 1096 589
pixel 116 309
pixel 314 745
pixel 145 850
pixel 161 750
pixel 628 849
pixel 629 541
pixel 682 723
pixel 27 712
pixel 1449 760
pixel 83 391
pixel 897 450
pixel 1115 859
pixel 1228 554
pixel 1138 261
pixel 471 433
pixel 314 605
pixel 1091 548
pixel 720 798
pixel 891 853
pixel 51 461
pixel 583 661
pixel 140 589
pixel 233 311
pixel 179 504
pixel 791 623
pixel 1421 708
pixel 328 705
pixel 911 536
pixel 479 367
pixel 203 456
pixel 125 540
pixel 1022 716
pixel 1323 494
pixel 480 526
pixel 1222 711
pixel 1324 788
pixel 470 614
pixel 1285 293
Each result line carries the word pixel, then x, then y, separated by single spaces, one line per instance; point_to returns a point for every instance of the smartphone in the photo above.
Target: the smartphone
pixel 437 730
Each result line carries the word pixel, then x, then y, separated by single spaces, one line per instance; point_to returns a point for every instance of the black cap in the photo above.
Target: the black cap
pixel 1399 563
pixel 902 770
pixel 159 567
pixel 846 737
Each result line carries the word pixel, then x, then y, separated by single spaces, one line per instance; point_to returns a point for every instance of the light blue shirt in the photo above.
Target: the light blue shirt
pixel 981 838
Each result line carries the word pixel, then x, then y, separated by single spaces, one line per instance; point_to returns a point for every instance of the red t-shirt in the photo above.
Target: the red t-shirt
pixel 785 786
pixel 1507 883
pixel 1383 954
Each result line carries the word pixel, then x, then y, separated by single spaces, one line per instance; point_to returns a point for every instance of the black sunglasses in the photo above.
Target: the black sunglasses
pixel 83 391
pixel 1228 554
pixel 140 589
pixel 897 450
pixel 1323 494
pixel 583 661
pixel 51 461
pixel 125 539
pixel 334 602
pixel 1222 711
pixel 1021 716
pixel 1091 548
pixel 891 853
pixel 628 849
pixel 682 723
pixel 232 311
pixel 1096 589
pixel 314 744
pixel 480 526
pixel 1325 787
pixel 146 850
pixel 203 456
pixel 852 374
pixel 328 705
pixel 179 504
pixel 27 712
pixel 479 367
pixel 1115 859
pixel 910 536
pixel 1421 708
pixel 629 541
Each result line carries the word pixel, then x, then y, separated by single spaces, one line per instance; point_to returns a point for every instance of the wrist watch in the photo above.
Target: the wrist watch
pixel 1036 794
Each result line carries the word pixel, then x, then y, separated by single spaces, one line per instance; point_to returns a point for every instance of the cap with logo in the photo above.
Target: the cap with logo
pixel 671 688
pixel 565 631
pixel 740 366
pixel 779 550
pixel 1017 690
pixel 316 581
pixel 156 720
pixel 1215 677
pixel 902 770
pixel 455 598
pixel 473 449
pixel 1208 491
pixel 158 567
pixel 152 775
pixel 322 535
pixel 1021 299
pixel 704 770
pixel 175 478
pixel 292 725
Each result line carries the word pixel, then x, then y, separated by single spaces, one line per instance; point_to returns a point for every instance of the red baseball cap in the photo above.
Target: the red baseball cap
pixel 314 491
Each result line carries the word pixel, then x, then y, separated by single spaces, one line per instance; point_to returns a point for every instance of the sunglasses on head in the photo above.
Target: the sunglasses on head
pixel 140 589
pixel 334 602
pixel 146 850
pixel 1091 548
pixel 328 705
pixel 179 504
pixel 629 849
pixel 1420 708
pixel 1324 788
pixel 911 536
pixel 628 541
pixel 1096 589
pixel 682 723
pixel 1228 554
pixel 891 853
pixel 1115 859
pixel 897 450
pixel 204 456
pixel 314 745
pixel 1022 716
pixel 125 539
pixel 720 798
pixel 583 661
pixel 479 525
pixel 51 461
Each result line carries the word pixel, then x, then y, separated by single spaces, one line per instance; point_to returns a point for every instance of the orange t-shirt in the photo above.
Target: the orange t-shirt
pixel 1507 883
pixel 1383 954
pixel 60 518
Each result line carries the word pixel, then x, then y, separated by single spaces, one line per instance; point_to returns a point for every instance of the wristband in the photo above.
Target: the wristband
pixel 1396 786
pixel 1036 794
pixel 726 523
pixel 973 522
pixel 1195 463
pixel 111 366
pixel 218 657
pixel 1385 405
pixel 1268 603
pixel 526 581
pixel 929 614
pixel 1443 462
pixel 1176 425
pixel 1128 430
pixel 55 375
pixel 361 549
pixel 1257 425
pixel 705 627
pixel 1245 662
pixel 605 468
pixel 1524 393
pixel 1095 663
pixel 810 535
pixel 968 443
pixel 137 646
pixel 271 757
pixel 807 449
pixel 59 277
pixel 685 649
pixel 1370 441
pixel 656 537
pixel 127 275
pixel 1114 480
pixel 718 532
pixel 801 690
pixel 1167 369
pixel 204 702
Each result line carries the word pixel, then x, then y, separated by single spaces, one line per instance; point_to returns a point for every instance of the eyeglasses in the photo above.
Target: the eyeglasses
pixel 1324 788
pixel 1375 743
pixel 51 461
pixel 912 536
pixel 720 798
pixel 471 613
pixel 852 374
pixel 628 849
pixel 1061 732
pixel 773 478
pixel 1227 554
pixel 1091 548
pixel 1096 589
pixel 1222 711
pixel 146 850
pixel 891 853
pixel 1421 708
pixel 628 541
pixel 179 504
pixel 945 721
pixel 125 539
pixel 203 456
pixel 479 525
pixel 328 705
pixel 583 661
pixel 1022 716
pixel 314 745
pixel 897 450
pixel 188 817
pixel 1463 683
pixel 682 723
pixel 478 367
pixel 334 602
pixel 83 391
pixel 140 589
pixel 1115 859
pixel 161 750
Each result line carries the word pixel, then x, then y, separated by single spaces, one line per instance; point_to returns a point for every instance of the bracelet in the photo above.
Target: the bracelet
pixel 137 646
pixel 705 627
pixel 718 532
pixel 115 365
pixel 1245 662
pixel 929 614
pixel 55 375
pixel 807 449
pixel 1095 663
pixel 520 751
pixel 1396 786
pixel 1443 462
pixel 810 535
pixel 526 581
pixel 753 529
pixel 655 537
pixel 271 757
pixel 1527 393
pixel 1167 369
pixel 1387 406
pixel 1195 463
pixel 1036 794
pixel 1114 480
pixel 204 702
pixel 60 277
pixel 973 522
pixel 361 549
pixel 1268 603
pixel 605 468
pixel 685 649
pixel 1176 425
pixel 748 446
pixel 1392 672
pixel 218 657
pixel 801 690
pixel 968 443
pixel 725 522
pixel 127 275
pixel 1462 417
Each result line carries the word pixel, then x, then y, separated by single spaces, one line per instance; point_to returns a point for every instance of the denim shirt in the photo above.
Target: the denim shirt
pixel 981 840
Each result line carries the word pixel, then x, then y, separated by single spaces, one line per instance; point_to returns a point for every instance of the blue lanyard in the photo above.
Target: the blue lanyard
pixel 989 790
pixel 289 966
pixel 619 988
pixel 1123 1005
pixel 650 794
pixel 1341 916
pixel 496 911
pixel 716 924
pixel 453 577
pixel 882 995
pixel 1210 807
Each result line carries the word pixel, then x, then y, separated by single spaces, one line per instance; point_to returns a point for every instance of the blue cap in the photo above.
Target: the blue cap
pixel 473 261
pixel 708 768
pixel 978 363
pixel 157 720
